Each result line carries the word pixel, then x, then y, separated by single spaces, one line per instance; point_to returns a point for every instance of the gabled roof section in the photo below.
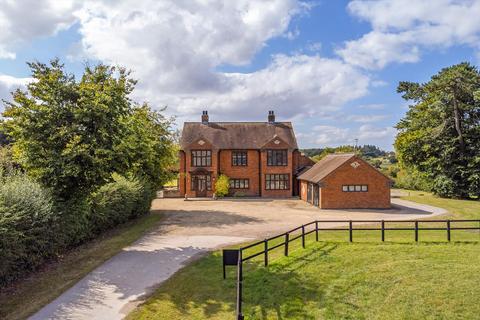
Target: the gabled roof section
pixel 325 166
pixel 238 135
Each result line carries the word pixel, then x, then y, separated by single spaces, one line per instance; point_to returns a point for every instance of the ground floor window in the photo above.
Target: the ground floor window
pixel 239 183
pixel 277 181
pixel 355 188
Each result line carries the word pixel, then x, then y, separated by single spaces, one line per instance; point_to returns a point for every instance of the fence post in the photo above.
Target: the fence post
pixel 350 229
pixel 266 252
pixel 239 286
pixel 303 236
pixel 448 230
pixel 416 231
pixel 383 230
pixel 287 240
pixel 316 231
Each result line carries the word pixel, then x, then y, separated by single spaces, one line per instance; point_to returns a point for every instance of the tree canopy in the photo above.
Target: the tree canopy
pixel 440 134
pixel 73 135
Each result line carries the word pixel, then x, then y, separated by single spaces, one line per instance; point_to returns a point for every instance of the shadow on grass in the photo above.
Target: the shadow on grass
pixel 280 290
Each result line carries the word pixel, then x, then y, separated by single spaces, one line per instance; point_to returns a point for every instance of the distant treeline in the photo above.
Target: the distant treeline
pixel 366 150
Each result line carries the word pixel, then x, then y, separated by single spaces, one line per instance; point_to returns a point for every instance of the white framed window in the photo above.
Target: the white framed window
pixel 355 188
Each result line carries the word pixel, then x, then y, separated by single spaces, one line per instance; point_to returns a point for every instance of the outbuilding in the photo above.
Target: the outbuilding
pixel 345 181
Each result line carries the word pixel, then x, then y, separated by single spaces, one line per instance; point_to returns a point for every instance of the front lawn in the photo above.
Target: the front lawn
pixel 31 294
pixel 334 279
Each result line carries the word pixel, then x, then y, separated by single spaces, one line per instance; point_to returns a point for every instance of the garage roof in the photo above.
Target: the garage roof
pixel 325 166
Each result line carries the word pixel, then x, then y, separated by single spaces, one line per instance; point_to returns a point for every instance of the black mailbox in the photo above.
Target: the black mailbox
pixel 230 258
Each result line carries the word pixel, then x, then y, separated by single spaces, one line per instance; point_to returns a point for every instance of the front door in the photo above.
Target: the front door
pixel 201 185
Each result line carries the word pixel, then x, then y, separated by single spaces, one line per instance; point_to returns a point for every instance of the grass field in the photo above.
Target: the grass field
pixel 40 288
pixel 334 279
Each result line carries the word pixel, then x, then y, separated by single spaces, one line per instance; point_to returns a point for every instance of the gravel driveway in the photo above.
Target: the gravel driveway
pixel 191 228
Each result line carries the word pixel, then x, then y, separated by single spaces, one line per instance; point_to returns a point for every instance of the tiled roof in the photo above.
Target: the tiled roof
pixel 238 135
pixel 325 166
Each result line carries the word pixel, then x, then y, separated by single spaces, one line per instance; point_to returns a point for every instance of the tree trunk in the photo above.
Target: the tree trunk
pixel 458 126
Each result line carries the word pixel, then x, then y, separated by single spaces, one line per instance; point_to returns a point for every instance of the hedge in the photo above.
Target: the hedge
pixel 34 227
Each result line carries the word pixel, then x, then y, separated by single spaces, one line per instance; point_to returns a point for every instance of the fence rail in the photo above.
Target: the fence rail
pixel 318 229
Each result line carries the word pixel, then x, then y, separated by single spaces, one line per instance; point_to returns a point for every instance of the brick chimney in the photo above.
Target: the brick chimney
pixel 271 116
pixel 205 117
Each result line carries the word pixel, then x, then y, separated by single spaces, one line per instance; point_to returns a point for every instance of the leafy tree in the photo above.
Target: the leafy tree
pixel 440 134
pixel 222 185
pixel 73 135
pixel 369 150
pixel 148 146
pixel 4 140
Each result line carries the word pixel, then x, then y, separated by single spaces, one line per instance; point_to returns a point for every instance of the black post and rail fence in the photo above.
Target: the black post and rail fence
pixel 237 257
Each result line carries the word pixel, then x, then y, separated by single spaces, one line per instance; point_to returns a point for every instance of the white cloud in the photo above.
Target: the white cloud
pixel 369 132
pixel 9 84
pixel 331 136
pixel 177 47
pixel 314 46
pixel 403 28
pixel 366 118
pixel 178 44
pixel 22 21
pixel 292 85
pixel 325 135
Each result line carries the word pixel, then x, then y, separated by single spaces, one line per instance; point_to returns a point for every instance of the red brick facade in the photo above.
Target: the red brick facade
pixel 257 139
pixel 255 171
pixel 331 193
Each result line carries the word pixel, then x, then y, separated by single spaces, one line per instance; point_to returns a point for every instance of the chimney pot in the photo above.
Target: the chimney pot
pixel 205 117
pixel 271 116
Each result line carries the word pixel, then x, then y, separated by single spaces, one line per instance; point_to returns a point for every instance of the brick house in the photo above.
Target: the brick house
pixel 345 181
pixel 260 158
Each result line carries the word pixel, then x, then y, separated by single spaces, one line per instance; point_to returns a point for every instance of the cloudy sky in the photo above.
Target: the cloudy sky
pixel 329 66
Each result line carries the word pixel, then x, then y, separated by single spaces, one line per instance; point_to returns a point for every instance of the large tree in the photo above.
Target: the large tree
pixel 440 134
pixel 71 135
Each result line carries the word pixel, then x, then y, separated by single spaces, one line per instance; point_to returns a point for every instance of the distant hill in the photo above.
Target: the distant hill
pixel 367 151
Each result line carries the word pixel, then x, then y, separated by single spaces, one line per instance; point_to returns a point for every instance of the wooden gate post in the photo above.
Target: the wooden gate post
pixel 286 243
pixel 350 229
pixel 303 236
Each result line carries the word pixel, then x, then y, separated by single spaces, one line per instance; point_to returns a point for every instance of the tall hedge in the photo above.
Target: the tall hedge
pixel 34 227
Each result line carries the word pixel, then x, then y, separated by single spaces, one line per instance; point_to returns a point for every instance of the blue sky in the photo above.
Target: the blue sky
pixel 329 66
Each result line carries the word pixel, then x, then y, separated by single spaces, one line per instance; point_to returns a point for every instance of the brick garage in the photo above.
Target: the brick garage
pixel 345 181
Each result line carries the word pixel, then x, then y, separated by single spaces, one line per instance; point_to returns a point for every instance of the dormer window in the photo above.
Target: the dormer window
pixel 201 158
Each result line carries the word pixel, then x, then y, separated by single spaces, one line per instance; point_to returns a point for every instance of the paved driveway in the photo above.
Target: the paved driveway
pixel 191 228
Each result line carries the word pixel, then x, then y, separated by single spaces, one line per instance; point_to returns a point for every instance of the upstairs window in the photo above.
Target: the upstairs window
pixel 201 158
pixel 239 158
pixel 277 157
pixel 355 188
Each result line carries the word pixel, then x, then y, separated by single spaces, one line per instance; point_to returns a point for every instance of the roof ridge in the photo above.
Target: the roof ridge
pixel 266 122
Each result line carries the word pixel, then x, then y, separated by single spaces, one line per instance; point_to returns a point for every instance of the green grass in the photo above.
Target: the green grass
pixel 458 209
pixel 334 279
pixel 31 294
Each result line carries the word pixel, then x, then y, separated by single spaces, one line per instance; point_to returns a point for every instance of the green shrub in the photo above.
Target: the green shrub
pixel 119 201
pixel 222 185
pixel 413 180
pixel 27 226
